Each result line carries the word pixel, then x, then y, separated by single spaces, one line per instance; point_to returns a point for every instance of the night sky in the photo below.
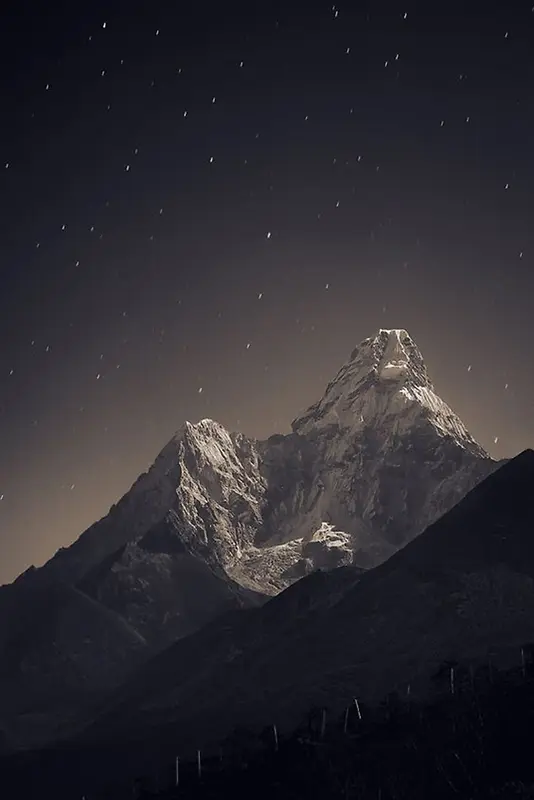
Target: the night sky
pixel 206 206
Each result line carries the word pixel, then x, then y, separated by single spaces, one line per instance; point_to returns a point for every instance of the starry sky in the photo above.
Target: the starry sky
pixel 206 206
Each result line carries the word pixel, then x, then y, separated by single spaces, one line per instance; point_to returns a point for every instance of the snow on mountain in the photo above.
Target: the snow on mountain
pixel 378 458
pixel 381 455
pixel 384 383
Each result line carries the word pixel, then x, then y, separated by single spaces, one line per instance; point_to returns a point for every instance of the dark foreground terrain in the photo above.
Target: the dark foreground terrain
pixel 472 741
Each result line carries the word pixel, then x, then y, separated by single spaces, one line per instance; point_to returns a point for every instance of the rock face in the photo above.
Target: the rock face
pixel 221 522
pixel 383 455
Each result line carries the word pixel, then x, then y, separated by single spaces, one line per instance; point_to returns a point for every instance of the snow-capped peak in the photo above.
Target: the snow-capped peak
pixel 401 358
pixel 391 355
pixel 384 385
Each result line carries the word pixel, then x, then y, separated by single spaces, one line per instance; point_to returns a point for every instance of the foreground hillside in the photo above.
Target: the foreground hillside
pixel 468 743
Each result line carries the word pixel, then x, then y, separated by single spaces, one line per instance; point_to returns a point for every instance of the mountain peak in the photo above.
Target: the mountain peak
pixel 390 355
pixel 401 357
pixel 384 384
pixel 204 426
